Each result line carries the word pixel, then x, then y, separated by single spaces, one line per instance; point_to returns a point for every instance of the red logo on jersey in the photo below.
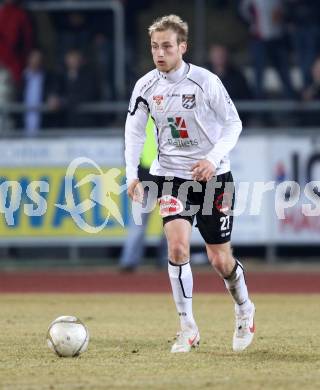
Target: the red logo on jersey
pixel 178 127
pixel 158 99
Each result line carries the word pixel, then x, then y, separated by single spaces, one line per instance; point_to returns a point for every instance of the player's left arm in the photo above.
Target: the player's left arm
pixel 227 115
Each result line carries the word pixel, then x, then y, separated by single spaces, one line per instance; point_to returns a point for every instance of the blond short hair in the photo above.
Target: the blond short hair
pixel 171 22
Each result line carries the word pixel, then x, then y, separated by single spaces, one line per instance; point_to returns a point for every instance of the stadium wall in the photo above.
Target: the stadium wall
pixel 39 203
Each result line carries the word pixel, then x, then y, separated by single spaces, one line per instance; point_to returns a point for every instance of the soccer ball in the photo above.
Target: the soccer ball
pixel 67 336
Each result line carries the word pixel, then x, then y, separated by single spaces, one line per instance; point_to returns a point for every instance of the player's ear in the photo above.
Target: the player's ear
pixel 183 47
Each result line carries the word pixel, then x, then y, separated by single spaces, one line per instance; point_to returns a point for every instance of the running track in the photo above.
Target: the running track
pixel 153 282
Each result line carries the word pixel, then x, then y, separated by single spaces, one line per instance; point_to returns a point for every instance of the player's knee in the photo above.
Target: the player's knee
pixel 178 251
pixel 219 259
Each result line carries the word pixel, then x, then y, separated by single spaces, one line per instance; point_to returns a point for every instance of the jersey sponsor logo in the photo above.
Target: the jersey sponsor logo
pixel 180 143
pixel 158 99
pixel 188 101
pixel 179 133
pixel 169 205
pixel 178 127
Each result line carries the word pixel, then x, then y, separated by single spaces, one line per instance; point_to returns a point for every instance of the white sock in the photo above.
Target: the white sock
pixel 236 284
pixel 182 284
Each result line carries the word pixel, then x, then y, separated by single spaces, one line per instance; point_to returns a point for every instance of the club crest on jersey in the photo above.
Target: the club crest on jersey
pixel 188 101
pixel 158 99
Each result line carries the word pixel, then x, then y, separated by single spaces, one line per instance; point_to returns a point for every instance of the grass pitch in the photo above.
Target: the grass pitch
pixel 129 347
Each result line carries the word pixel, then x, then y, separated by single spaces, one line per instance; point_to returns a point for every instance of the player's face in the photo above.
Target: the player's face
pixel 166 51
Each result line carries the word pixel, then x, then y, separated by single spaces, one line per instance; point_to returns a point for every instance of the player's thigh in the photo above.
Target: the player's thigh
pixel 216 228
pixel 178 233
pixel 215 220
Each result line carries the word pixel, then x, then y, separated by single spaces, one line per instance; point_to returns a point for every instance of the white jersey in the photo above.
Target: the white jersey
pixel 194 118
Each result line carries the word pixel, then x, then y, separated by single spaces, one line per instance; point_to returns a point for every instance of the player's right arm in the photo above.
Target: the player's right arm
pixel 135 135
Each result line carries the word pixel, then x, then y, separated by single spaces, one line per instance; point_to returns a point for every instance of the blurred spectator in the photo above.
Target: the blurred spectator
pixel 303 18
pixel 78 84
pixel 90 32
pixel 73 31
pixel 37 89
pixel 268 44
pixel 312 92
pixel 6 86
pixel 6 95
pixel 46 37
pixel 15 37
pixel 103 58
pixel 231 77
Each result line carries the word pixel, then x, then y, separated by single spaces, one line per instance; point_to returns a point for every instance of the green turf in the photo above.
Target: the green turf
pixel 129 346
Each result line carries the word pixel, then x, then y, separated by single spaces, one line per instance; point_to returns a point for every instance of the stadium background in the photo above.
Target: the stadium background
pixel 104 43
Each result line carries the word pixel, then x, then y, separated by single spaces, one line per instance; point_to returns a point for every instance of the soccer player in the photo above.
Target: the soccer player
pixel 196 126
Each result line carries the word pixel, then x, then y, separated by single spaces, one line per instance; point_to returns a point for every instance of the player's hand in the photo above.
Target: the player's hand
pixel 203 170
pixel 135 191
